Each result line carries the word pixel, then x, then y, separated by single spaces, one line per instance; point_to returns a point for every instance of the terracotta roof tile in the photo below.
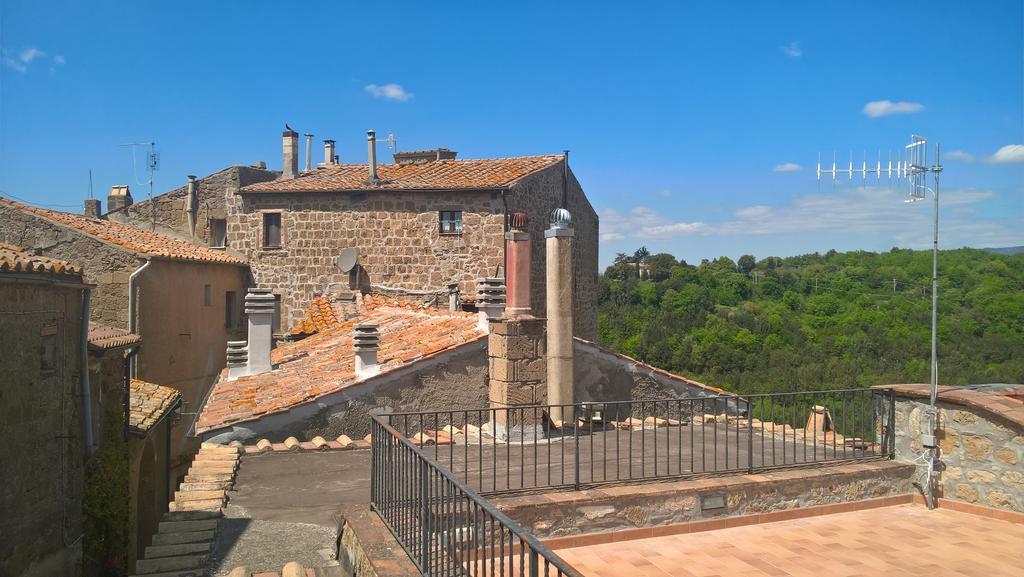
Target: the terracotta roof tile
pixel 102 337
pixel 13 259
pixel 148 404
pixel 137 240
pixel 437 175
pixel 325 362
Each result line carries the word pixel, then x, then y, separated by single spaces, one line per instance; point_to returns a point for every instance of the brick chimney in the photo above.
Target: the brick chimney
pixel 259 308
pixel 290 153
pixel 366 341
pixel 558 239
pixel 517 249
pixel 119 197
pixel 92 208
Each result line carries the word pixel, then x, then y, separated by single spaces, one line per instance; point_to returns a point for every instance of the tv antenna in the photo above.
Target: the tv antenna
pixel 392 142
pixel 152 165
pixel 897 172
pixel 912 166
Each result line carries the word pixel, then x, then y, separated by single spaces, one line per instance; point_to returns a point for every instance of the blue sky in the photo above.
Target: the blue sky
pixel 682 117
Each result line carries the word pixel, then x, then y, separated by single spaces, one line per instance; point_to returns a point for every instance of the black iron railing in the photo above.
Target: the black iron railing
pixel 446 527
pixel 499 450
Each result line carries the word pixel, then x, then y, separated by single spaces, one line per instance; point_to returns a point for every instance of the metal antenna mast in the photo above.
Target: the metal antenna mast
pixel 913 167
pixel 152 165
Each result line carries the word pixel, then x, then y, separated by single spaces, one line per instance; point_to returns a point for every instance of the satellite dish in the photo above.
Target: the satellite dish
pixel 347 258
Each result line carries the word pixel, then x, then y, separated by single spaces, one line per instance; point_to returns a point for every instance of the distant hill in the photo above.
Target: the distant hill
pixel 1006 250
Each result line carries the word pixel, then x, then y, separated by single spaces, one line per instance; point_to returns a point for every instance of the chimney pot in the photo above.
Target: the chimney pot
pixel 490 300
pixel 329 155
pixel 92 208
pixel 371 150
pixel 517 250
pixel 259 308
pixel 238 359
pixel 309 151
pixel 190 205
pixel 366 341
pixel 559 289
pixel 290 153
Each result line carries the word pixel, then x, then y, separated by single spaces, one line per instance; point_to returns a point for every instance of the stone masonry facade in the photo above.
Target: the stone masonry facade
pixel 982 453
pixel 400 244
pixel 517 365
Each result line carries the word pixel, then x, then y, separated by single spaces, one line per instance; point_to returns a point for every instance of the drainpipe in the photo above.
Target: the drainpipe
pixel 84 378
pixel 131 310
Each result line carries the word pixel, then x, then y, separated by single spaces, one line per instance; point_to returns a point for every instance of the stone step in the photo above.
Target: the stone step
pixel 183 573
pixel 205 505
pixel 209 477
pixel 213 464
pixel 225 457
pixel 208 486
pixel 155 551
pixel 180 496
pixel 191 515
pixel 207 446
pixel 181 537
pixel 183 526
pixel 165 564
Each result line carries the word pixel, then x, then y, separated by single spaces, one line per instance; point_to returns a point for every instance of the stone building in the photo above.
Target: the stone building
pixel 420 225
pixel 195 211
pixel 183 300
pixel 44 451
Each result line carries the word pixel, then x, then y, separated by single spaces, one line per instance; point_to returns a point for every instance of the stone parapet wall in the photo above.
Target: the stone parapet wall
pixel 981 443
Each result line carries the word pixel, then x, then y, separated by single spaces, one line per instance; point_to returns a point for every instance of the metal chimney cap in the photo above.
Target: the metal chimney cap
pixel 371 134
pixel 560 218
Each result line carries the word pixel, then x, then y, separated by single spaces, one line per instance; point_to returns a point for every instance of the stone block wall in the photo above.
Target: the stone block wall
pixel 517 367
pixel 981 449
pixel 105 265
pixel 42 456
pixel 213 192
pixel 397 235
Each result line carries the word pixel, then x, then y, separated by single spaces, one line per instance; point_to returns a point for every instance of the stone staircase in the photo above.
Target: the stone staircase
pixel 182 544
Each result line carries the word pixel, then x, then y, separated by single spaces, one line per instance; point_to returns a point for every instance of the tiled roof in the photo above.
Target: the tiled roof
pixel 325 362
pixel 437 175
pixel 137 240
pixel 15 260
pixel 148 404
pixel 320 314
pixel 102 337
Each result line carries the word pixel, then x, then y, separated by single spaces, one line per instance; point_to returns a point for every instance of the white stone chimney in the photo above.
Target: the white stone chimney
pixel 366 341
pixel 328 152
pixel 558 239
pixel 238 360
pixel 490 300
pixel 259 307
pixel 290 153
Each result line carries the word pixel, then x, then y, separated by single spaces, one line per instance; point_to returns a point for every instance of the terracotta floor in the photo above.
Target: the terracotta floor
pixel 900 540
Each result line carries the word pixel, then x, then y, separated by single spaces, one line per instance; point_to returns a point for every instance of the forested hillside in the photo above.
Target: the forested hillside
pixel 818 321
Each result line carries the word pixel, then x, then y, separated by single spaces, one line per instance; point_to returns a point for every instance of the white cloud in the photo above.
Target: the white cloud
pixel 1009 154
pixel 21 60
pixel 879 108
pixel 959 155
pixel 58 59
pixel 389 92
pixel 793 50
pixel 787 167
pixel 664 193
pixel 875 211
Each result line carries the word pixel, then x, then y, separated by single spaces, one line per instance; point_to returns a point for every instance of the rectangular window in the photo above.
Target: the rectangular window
pixel 230 309
pixel 272 230
pixel 207 295
pixel 218 232
pixel 451 222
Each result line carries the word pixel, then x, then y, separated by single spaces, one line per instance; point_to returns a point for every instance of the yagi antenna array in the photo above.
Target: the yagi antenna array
pixel 898 171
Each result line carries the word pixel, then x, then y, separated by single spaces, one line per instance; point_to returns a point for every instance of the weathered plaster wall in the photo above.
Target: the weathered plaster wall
pixel 457 379
pixel 397 235
pixel 213 192
pixel 538 195
pixel 603 376
pixel 983 454
pixel 105 265
pixel 184 341
pixel 41 458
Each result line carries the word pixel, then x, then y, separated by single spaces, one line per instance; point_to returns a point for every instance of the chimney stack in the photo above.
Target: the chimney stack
pixel 290 152
pixel 490 300
pixel 366 342
pixel 309 151
pixel 517 250
pixel 259 307
pixel 558 239
pixel 371 150
pixel 119 197
pixel 92 208
pixel 328 152
pixel 238 360
pixel 190 205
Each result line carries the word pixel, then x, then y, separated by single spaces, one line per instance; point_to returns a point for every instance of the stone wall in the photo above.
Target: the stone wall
pixel 538 195
pixel 456 379
pixel 212 194
pixel 105 265
pixel 42 472
pixel 397 235
pixel 982 451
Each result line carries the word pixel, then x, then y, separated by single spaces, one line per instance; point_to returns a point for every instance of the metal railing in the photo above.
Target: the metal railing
pixel 446 527
pixel 523 448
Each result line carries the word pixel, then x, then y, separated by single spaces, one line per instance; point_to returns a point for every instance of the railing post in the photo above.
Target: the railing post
pixel 374 455
pixel 425 537
pixel 892 423
pixel 750 437
pixel 576 443
pixel 534 568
